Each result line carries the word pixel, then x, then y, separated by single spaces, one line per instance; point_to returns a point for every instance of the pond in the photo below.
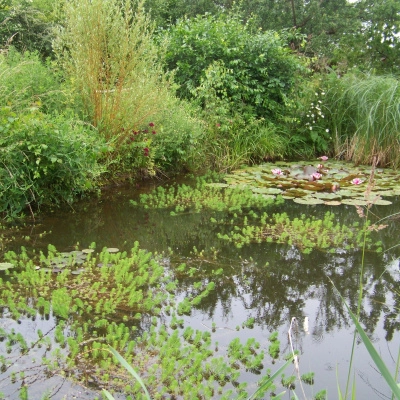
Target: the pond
pixel 258 289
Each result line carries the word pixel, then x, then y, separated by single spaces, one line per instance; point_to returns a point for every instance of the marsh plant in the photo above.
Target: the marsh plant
pixel 110 58
pixel 206 193
pixel 304 233
pixel 364 117
pixel 119 299
pixel 244 223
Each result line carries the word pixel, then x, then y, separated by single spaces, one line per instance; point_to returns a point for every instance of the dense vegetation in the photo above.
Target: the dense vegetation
pixel 100 91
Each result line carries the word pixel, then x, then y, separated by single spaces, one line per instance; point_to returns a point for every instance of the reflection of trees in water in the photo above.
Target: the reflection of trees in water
pixel 275 293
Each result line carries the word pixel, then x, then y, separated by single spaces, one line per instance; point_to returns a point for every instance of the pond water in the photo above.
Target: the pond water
pixel 268 282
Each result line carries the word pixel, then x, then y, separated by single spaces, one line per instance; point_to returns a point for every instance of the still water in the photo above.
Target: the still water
pixel 272 283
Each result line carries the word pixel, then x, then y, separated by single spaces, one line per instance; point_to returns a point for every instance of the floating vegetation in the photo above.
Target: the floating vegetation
pixel 119 304
pixel 305 233
pixel 330 183
pixel 205 194
pixel 242 208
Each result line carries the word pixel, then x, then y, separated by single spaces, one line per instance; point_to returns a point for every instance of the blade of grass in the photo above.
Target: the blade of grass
pixel 271 379
pixel 108 395
pixel 374 354
pixel 129 368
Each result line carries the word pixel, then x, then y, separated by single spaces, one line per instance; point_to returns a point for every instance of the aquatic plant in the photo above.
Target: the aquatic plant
pixel 206 193
pixel 130 287
pixel 305 233
pixel 331 183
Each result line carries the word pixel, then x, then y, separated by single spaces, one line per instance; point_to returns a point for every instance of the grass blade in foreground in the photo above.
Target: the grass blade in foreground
pixel 374 355
pixel 124 363
pixel 266 385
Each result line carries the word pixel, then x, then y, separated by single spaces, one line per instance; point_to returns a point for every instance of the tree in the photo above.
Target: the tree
pixel 26 25
pixel 253 70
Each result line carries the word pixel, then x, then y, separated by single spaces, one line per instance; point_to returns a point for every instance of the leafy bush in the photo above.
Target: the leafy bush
pixel 254 70
pixel 179 142
pixel 26 25
pixel 44 160
pixel 241 79
pixel 310 131
pixel 26 82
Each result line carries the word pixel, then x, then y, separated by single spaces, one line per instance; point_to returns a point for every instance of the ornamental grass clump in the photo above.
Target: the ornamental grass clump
pixel 364 116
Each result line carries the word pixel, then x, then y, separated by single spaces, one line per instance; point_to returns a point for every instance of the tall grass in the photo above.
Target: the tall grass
pixel 365 118
pixel 107 49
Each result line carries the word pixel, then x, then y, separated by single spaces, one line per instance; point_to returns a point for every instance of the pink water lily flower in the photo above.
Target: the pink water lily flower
pixel 316 176
pixel 357 181
pixel 277 171
pixel 323 158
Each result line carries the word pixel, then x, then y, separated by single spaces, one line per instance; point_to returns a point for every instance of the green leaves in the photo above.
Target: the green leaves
pixel 221 54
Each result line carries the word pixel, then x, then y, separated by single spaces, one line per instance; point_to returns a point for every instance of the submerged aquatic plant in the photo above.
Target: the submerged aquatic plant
pixel 305 233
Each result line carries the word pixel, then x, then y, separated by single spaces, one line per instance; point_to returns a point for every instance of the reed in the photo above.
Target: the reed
pixel 365 118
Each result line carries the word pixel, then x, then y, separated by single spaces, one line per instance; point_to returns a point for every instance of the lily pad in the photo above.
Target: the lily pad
pixel 6 265
pixel 112 250
pixel 87 251
pixel 355 202
pixel 333 203
pixel 78 271
pixel 328 196
pixel 382 202
pixel 308 200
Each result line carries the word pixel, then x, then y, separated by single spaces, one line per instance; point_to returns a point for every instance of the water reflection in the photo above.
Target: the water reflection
pixel 268 282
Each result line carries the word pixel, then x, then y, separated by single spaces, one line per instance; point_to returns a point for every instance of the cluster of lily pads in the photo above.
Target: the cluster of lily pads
pixel 327 182
pixel 73 261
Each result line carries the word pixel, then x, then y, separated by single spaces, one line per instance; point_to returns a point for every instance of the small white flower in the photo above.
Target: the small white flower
pixel 310 128
pixel 326 130
pixel 322 93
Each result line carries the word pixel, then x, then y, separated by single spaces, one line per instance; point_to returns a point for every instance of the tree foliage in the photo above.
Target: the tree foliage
pixel 254 70
pixel 27 25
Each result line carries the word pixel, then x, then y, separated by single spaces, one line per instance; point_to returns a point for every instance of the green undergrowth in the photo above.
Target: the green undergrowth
pixel 127 300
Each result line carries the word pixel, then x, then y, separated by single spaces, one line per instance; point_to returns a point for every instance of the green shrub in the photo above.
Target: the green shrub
pixel 310 131
pixel 26 82
pixel 254 70
pixel 44 160
pixel 241 79
pixel 26 25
